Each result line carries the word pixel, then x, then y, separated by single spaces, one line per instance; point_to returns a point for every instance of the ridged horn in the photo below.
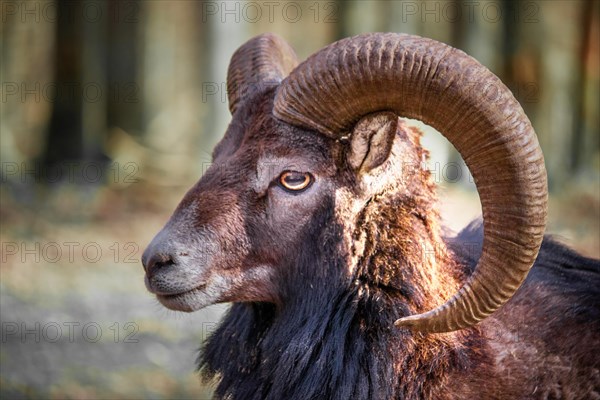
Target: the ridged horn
pixel 423 79
pixel 262 62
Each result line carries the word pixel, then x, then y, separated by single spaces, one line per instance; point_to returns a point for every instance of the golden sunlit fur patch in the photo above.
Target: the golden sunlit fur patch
pixel 391 226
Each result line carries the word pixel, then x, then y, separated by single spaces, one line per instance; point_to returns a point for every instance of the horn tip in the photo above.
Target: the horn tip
pixel 407 322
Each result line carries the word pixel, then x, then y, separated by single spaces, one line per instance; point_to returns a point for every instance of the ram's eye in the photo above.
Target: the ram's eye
pixel 295 181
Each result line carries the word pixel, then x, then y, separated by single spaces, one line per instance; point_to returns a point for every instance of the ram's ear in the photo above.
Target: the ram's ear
pixel 371 141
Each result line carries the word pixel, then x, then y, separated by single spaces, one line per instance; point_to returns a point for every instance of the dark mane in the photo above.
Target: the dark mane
pixel 330 339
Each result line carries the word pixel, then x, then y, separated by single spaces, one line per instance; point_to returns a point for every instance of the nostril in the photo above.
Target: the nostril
pixel 157 261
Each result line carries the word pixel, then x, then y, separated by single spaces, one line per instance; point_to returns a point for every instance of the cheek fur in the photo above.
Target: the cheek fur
pixel 290 212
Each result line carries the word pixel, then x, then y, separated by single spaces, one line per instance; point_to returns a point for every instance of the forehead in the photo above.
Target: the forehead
pixel 256 137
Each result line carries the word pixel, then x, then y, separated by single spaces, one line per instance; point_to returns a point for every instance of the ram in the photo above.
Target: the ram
pixel 315 224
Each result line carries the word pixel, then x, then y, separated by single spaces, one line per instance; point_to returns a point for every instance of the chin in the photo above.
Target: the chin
pixel 190 301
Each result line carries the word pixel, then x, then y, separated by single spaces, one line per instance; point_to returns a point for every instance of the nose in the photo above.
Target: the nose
pixel 153 260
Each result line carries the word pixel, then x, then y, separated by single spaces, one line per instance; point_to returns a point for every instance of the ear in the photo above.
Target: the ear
pixel 371 141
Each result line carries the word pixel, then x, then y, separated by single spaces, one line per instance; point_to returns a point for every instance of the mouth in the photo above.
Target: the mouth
pixel 188 301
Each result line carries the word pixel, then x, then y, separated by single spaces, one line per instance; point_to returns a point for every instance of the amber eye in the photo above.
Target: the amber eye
pixel 295 181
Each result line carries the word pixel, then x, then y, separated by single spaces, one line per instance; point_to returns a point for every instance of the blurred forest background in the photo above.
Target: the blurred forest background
pixel 110 110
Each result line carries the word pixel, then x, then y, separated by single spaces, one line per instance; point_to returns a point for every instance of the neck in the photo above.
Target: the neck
pixel 409 258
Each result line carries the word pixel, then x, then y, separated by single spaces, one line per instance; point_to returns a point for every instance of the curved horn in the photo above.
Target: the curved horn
pixel 260 63
pixel 445 88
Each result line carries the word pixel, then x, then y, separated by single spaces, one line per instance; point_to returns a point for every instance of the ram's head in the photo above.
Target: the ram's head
pixel 310 145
